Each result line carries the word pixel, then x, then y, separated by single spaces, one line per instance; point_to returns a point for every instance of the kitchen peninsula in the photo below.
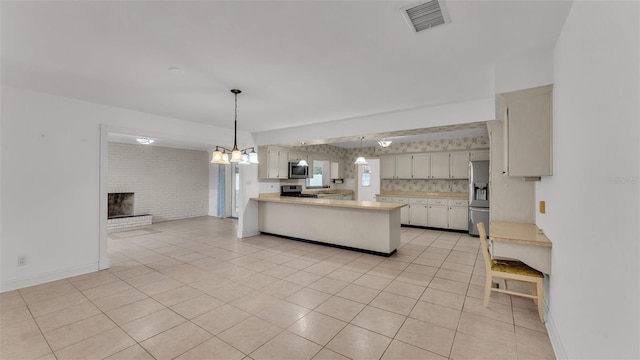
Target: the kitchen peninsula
pixel 368 226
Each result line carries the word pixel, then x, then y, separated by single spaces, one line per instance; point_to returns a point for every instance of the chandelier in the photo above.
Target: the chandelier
pixel 225 156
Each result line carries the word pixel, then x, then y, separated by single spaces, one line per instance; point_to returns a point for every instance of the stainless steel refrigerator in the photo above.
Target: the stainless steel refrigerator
pixel 478 195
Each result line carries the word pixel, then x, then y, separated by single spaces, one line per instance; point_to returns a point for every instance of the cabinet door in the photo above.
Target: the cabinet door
pixel 336 170
pixel 403 166
pixel 273 164
pixel 404 212
pixel 283 165
pixel 418 215
pixel 421 166
pixel 458 217
pixel 528 132
pixel 459 165
pixel 388 167
pixel 438 216
pixel 440 166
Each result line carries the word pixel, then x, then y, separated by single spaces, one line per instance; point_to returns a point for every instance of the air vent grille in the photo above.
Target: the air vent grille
pixel 426 15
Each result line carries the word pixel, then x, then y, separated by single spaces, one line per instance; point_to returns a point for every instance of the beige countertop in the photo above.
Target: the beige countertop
pixel 365 205
pixel 518 233
pixel 435 195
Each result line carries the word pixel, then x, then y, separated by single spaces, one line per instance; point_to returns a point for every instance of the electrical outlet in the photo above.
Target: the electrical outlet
pixel 22 260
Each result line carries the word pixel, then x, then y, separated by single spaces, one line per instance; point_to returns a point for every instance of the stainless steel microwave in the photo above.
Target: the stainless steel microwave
pixel 297 172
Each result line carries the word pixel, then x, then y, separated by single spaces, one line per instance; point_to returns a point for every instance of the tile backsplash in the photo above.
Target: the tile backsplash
pixel 425 185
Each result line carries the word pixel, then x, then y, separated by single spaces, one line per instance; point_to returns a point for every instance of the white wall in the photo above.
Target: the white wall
pixel 167 183
pixel 524 71
pixel 50 179
pixel 592 197
pixel 511 198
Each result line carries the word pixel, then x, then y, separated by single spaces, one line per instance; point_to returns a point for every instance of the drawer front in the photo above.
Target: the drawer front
pixel 401 200
pixel 458 203
pixel 438 202
pixel 419 201
pixel 383 199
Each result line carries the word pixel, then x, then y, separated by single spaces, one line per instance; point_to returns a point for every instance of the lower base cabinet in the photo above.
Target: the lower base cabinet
pixel 436 213
pixel 438 216
pixel 458 217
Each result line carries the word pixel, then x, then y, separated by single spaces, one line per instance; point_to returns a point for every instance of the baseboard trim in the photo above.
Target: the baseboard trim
pixel 47 277
pixel 554 336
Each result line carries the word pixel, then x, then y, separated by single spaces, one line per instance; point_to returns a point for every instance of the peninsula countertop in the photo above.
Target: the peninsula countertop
pixel 364 205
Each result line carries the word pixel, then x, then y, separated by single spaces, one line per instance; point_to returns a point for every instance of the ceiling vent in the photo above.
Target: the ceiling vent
pixel 426 15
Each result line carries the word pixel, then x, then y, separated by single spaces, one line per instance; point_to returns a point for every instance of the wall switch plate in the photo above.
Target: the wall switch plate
pixel 542 207
pixel 22 260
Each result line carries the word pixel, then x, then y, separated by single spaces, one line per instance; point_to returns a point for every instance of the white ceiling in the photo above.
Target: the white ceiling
pixel 297 62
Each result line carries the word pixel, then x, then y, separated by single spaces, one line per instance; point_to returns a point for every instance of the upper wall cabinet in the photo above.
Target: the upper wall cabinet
pixel 437 165
pixel 440 166
pixel 459 165
pixel 527 116
pixel 274 163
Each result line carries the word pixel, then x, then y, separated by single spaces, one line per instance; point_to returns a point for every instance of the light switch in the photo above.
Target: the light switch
pixel 542 207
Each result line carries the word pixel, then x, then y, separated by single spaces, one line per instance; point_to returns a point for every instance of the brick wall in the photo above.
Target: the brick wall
pixel 168 183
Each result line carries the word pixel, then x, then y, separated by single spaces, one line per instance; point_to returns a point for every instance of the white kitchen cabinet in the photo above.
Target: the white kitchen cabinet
pixel 527 116
pixel 388 167
pixel 274 163
pixel 477 155
pixel 421 166
pixel 404 212
pixel 337 170
pixel 459 165
pixel 458 214
pixel 396 166
pixel 438 213
pixel 404 168
pixel 439 165
pixel 418 213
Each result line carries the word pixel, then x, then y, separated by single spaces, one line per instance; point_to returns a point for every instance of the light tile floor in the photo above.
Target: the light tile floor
pixel 189 289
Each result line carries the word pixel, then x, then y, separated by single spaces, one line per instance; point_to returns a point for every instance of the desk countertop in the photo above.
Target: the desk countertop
pixel 518 233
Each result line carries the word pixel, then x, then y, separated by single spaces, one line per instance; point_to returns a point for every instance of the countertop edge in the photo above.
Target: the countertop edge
pixel 363 205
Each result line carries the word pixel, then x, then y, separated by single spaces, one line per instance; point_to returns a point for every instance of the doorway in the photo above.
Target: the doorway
pixel 368 180
pixel 235 190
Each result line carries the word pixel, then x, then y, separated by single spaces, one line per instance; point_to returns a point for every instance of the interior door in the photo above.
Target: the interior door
pixel 368 180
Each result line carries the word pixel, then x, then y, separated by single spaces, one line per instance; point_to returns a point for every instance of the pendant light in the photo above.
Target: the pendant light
pixel 303 161
pixel 243 157
pixel 361 160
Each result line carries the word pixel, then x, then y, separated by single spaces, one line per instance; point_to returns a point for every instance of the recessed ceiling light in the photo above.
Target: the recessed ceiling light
pixel 145 140
pixel 176 70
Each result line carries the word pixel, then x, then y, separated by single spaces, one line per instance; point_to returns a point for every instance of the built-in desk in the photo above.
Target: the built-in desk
pixel 520 241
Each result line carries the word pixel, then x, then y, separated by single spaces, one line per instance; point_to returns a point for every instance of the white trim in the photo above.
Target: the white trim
pixel 554 335
pixel 48 277
pixel 103 256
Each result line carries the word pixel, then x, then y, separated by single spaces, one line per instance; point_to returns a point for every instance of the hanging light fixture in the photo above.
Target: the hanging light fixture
pixel 303 161
pixel 384 143
pixel 361 160
pixel 242 157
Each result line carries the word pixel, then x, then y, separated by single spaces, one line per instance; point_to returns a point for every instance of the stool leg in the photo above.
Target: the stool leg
pixel 487 290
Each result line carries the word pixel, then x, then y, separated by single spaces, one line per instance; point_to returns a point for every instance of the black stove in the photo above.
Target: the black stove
pixel 294 191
